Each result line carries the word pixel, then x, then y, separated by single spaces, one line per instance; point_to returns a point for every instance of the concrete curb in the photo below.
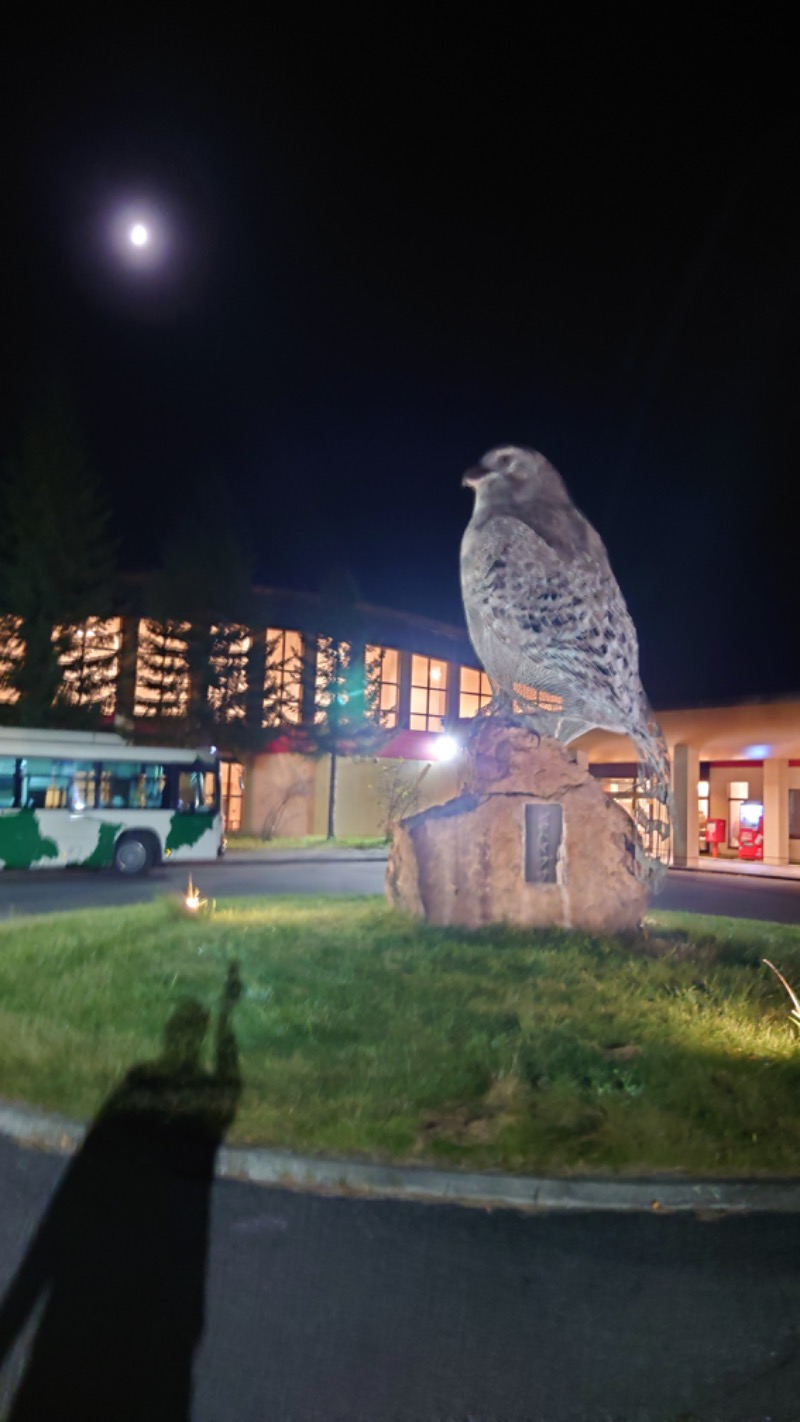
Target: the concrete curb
pixel 304 856
pixel 489 1190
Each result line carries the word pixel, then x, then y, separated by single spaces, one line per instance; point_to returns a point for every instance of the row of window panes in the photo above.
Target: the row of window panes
pixel 162 686
pixel 42 783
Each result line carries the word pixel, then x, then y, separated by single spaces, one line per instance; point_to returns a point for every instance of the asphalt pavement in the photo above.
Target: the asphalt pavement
pixel 350 872
pixel 347 1310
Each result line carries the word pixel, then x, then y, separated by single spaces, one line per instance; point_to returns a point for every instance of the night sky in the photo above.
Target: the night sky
pixel 396 244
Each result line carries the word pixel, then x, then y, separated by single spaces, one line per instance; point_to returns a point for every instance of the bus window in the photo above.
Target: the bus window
pixel 129 785
pixel 197 791
pixel 7 767
pixel 57 784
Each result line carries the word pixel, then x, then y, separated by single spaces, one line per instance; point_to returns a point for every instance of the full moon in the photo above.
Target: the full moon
pixel 139 234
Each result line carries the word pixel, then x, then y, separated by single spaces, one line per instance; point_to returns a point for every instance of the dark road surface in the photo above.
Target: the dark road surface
pixel 46 891
pixel 344 1310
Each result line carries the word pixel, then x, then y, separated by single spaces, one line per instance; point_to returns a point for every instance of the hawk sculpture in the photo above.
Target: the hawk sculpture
pixel 550 625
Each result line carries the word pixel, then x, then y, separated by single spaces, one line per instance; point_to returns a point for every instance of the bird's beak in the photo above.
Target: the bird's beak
pixel 473 477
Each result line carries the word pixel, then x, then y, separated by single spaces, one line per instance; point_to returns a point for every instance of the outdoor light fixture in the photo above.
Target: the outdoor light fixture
pixel 192 900
pixel 446 748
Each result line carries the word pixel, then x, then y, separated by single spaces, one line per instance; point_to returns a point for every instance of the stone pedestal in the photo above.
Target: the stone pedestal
pixel 531 840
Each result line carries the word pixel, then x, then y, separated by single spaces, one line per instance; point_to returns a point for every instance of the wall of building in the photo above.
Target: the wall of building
pixel 291 792
pixel 279 795
pixel 365 788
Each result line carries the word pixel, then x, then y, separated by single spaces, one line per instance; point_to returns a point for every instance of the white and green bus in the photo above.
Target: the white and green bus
pixel 91 799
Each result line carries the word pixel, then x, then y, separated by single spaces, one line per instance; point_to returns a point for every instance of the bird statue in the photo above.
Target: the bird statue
pixel 548 621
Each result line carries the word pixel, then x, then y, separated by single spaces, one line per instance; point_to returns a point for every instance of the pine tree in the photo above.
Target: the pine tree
pixel 56 571
pixel 194 655
pixel 348 718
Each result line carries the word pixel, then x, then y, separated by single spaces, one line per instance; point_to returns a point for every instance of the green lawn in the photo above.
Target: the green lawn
pixel 363 1033
pixel 306 841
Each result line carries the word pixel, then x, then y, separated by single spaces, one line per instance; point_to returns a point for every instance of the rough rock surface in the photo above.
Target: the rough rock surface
pixel 464 862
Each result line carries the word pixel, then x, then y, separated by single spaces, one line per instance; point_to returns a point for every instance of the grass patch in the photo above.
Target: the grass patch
pixel 306 841
pixel 363 1033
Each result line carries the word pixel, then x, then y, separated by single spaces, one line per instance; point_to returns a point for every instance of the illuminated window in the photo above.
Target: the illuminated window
pixel 57 784
pixel 475 691
pixel 231 786
pixel 91 662
pixel 11 650
pixel 528 697
pixel 428 694
pixel 230 667
pixel 738 790
pixel 333 675
pixel 383 674
pixel 283 686
pixel 703 803
pixel 162 676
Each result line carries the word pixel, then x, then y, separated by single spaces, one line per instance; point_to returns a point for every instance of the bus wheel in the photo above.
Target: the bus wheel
pixel 133 854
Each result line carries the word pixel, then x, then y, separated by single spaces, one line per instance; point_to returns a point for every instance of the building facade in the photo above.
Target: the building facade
pixel 426 683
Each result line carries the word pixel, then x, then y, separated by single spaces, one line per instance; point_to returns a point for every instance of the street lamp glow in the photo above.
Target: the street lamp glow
pixel 446 748
pixel 139 235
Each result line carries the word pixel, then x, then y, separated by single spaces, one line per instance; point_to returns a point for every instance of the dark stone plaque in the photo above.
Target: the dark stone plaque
pixel 543 829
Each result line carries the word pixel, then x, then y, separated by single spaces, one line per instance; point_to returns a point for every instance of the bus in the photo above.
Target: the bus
pixel 91 799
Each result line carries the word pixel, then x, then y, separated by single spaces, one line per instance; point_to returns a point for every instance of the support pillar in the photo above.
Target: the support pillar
pixel 453 703
pixel 686 824
pixel 404 691
pixel 776 812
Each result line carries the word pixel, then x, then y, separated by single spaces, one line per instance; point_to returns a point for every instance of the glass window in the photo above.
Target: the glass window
pixel 283 687
pixel 738 790
pixel 428 693
pixel 162 676
pixel 91 662
pixel 475 691
pixel 383 676
pixel 529 697
pixel 8 767
pixel 197 791
pixel 129 785
pixel 703 803
pixel 794 814
pixel 57 784
pixel 11 649
pixel 232 787
pixel 334 676
pixel 229 662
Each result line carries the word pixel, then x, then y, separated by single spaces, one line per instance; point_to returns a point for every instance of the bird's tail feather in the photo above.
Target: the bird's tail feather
pixel 652 805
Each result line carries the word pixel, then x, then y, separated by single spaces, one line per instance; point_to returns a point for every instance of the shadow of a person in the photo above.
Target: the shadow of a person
pixel 120 1256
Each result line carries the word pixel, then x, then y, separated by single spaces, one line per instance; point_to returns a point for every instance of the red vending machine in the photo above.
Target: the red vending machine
pixel 751 830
